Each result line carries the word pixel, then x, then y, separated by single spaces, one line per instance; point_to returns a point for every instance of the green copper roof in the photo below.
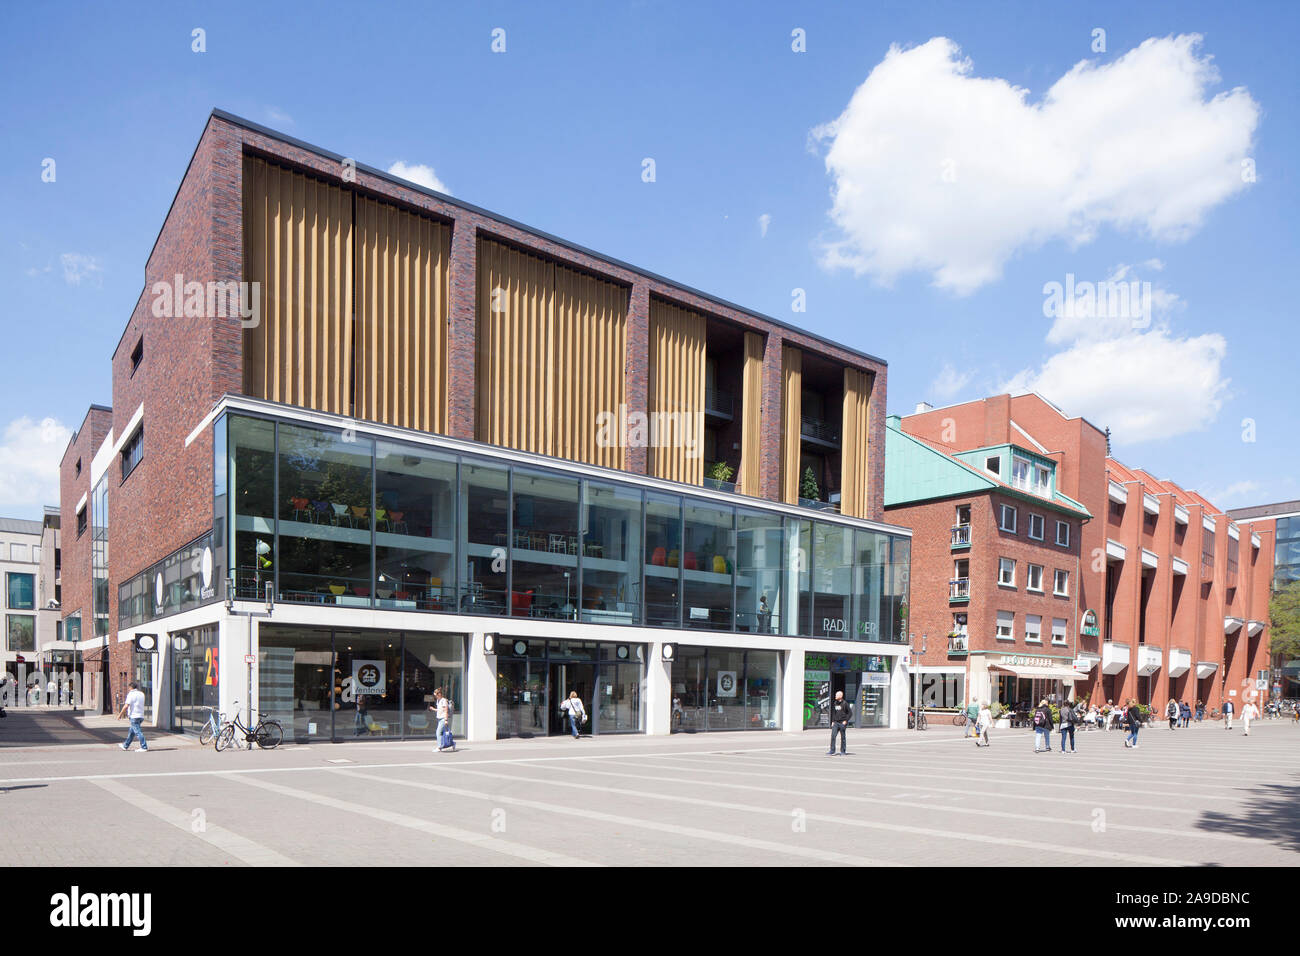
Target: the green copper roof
pixel 916 472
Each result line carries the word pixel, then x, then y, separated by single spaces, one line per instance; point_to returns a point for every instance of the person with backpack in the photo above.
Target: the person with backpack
pixel 1134 717
pixel 840 713
pixel 1042 728
pixel 577 713
pixel 983 721
pixel 972 718
pixel 1068 719
pixel 1171 711
pixel 442 708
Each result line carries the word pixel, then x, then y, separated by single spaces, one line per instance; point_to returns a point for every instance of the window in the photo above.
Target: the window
pixel 1058 630
pixel 993 465
pixel 1063 533
pixel 78 474
pixel 1020 473
pixel 137 355
pixel 21 629
pixel 1036 527
pixel 17 552
pixel 21 591
pixel 1035 582
pixel 1042 480
pixel 81 521
pixel 1006 572
pixel 132 452
pixel 1061 583
pixel 36 554
pixel 1007 518
pixel 1006 626
pixel 959 624
pixel 1034 628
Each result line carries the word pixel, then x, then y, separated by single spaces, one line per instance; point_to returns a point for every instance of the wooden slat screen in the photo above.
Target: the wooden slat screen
pixel 751 407
pixel 591 366
pixel 298 247
pixel 791 425
pixel 401 325
pixel 677 338
pixel 855 478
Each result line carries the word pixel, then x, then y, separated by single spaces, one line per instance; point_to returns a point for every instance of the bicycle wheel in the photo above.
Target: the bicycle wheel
pixel 959 720
pixel 925 723
pixel 205 735
pixel 226 738
pixel 269 734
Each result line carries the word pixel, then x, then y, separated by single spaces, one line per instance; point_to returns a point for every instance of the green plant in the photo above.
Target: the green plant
pixel 997 709
pixel 720 471
pixel 808 489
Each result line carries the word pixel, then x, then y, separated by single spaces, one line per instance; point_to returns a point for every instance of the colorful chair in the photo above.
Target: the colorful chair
pixel 381 514
pixel 361 514
pixel 521 602
pixel 688 561
pixel 301 506
pixel 659 556
pixel 673 558
pixel 719 564
pixel 340 513
pixel 399 526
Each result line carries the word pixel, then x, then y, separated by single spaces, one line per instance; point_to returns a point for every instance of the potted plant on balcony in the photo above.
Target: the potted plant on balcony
pixel 718 476
pixel 808 489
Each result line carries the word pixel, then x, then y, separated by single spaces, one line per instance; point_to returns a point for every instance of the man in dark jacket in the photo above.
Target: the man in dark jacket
pixel 1134 715
pixel 841 711
pixel 1042 727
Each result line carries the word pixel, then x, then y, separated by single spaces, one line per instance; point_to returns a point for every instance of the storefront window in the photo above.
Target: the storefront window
pixel 708 567
pixel 758 572
pixel 534 677
pixel 611 566
pixel 485 516
pixel 325 516
pixel 545 548
pixel 871 573
pixel 663 556
pixel 367 684
pixel 798 612
pixel 726 689
pixel 415 528
pixel 832 597
pixel 195 678
pixel 252 484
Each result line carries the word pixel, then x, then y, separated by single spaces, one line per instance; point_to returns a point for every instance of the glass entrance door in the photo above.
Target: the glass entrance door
pixel 522 709
pixel 571 676
pixel 143 667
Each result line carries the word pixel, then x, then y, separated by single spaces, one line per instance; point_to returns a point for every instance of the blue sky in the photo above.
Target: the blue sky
pixel 959 197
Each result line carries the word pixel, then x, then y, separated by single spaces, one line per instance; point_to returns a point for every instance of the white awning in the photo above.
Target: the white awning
pixel 1150 504
pixel 1115 550
pixel 1114 657
pixel 1118 493
pixel 1050 673
pixel 1149 660
pixel 1254 627
pixel 1150 559
pixel 1205 668
pixel 1180 662
pixel 1180 514
pixel 1232 624
pixel 1180 566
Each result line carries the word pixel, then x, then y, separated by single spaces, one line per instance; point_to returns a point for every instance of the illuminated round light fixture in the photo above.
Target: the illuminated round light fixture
pixel 622 652
pixel 145 642
pixel 521 648
pixel 669 652
pixel 489 643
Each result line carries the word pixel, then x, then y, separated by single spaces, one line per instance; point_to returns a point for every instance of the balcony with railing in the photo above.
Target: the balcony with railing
pixel 959 589
pixel 1207 568
pixel 819 432
pixel 957 645
pixel 719 403
pixel 960 536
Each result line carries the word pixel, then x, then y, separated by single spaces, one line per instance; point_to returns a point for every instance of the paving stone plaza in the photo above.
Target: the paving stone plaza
pixel 1196 797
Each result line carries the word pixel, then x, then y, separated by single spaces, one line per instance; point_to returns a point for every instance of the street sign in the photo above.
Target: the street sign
pixel 250 659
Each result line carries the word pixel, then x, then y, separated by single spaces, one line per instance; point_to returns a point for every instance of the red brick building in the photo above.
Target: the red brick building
pixel 1168 594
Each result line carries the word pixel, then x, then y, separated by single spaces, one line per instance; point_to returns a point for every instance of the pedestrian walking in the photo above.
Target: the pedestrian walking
pixel 1068 720
pixel 1111 712
pixel 133 710
pixel 1248 713
pixel 1171 711
pixel 1200 711
pixel 1184 713
pixel 1042 727
pixel 1227 715
pixel 841 712
pixel 972 718
pixel 442 709
pixel 983 721
pixel 1134 717
pixel 577 714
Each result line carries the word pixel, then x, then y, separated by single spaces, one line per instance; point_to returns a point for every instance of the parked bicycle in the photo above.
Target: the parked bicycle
pixel 916 719
pixel 960 719
pixel 267 734
pixel 212 729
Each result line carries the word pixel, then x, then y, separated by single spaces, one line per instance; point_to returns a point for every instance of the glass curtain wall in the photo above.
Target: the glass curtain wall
pixel 252 493
pixel 195 671
pixel 544 556
pixel 759 538
pixel 415 528
pixel 485 516
pixel 611 554
pixel 832 594
pixel 663 558
pixel 99 555
pixel 708 567
pixel 726 689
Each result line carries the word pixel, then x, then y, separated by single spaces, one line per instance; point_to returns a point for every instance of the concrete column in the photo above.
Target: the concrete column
pixel 792 691
pixel 480 691
pixel 900 693
pixel 658 692
pixel 233 642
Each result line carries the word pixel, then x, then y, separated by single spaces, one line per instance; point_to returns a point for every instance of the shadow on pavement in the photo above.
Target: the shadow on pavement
pixel 25 786
pixel 52 728
pixel 1271 813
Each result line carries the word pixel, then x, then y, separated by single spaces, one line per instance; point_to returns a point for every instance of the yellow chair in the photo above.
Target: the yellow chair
pixel 673 558
pixel 719 564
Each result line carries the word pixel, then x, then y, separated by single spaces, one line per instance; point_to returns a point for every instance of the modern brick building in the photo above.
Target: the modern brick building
pixel 456 451
pixel 1164 590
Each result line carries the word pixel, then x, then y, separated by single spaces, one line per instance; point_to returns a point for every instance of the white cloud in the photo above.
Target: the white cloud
pixel 763 222
pixel 940 171
pixel 1236 495
pixel 78 268
pixel 949 382
pixel 419 174
pixel 278 116
pixel 29 465
pixel 1099 309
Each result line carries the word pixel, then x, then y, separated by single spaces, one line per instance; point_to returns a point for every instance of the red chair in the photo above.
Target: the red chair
pixel 659 556
pixel 688 561
pixel 521 602
pixel 361 592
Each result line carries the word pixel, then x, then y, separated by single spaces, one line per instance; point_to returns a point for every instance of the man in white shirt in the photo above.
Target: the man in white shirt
pixel 133 710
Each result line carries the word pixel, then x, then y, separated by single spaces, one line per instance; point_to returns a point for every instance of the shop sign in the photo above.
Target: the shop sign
pixel 1014 661
pixel 726 683
pixel 368 677
pixel 1088 625
pixel 875 679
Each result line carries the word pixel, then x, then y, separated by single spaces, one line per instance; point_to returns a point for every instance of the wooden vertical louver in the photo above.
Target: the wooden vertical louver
pixel 855 478
pixel 552 346
pixel 590 367
pixel 791 422
pixel 298 248
pixel 401 318
pixel 751 410
pixel 676 400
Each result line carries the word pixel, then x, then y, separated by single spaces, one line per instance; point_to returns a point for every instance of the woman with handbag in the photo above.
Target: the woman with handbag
pixel 577 713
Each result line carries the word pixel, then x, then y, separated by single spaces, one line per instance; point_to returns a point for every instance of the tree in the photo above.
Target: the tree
pixel 809 487
pixel 1284 623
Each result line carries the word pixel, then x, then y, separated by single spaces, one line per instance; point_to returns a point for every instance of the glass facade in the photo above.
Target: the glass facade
pixel 323 684
pixel 99 556
pixel 337 518
pixel 195 665
pixel 535 676
pixel 21 632
pixel 726 689
pixel 181 581
pixel 864 679
pixel 1286 553
pixel 22 591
